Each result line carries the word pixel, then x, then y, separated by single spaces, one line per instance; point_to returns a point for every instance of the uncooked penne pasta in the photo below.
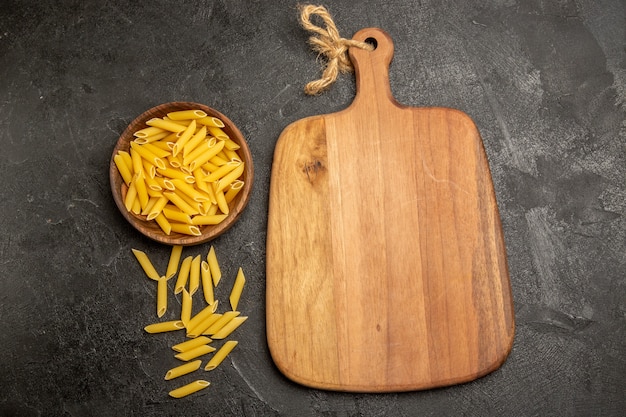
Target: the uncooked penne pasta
pixel 183 274
pixel 227 179
pixel 229 327
pixel 202 315
pixel 186 134
pixel 233 190
pixel 235 293
pixel 194 353
pixel 146 265
pixel 146 154
pixel 190 388
pixel 220 355
pixel 163 224
pixel 186 114
pixel 204 154
pixel 186 229
pixel 175 214
pixel 221 202
pixel 211 121
pixel 142 190
pixel 148 131
pixel 201 328
pixel 165 125
pixel 193 143
pixel 186 306
pixel 183 369
pixel 216 273
pixel 200 220
pixel 172 265
pixel 124 170
pixel 131 196
pixel 165 326
pixel 221 171
pixel 218 133
pixel 226 317
pixel 194 275
pixel 194 193
pixel 179 202
pixel 161 296
pixel 207 283
pixel 191 344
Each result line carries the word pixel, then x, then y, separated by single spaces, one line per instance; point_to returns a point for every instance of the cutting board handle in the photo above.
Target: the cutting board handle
pixel 371 68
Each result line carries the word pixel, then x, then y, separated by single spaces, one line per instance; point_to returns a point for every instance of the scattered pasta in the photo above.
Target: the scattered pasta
pixel 201 329
pixel 186 160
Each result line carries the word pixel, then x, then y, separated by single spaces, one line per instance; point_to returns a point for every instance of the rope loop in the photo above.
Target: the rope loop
pixel 328 44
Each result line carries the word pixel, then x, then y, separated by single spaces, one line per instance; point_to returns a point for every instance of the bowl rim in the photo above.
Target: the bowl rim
pixel 147 227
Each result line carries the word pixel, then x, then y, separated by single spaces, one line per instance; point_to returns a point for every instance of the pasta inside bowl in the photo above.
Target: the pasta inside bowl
pixel 181 173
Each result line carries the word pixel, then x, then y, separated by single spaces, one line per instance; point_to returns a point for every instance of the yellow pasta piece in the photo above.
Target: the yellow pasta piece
pixel 191 344
pixel 165 326
pixel 157 208
pixel 231 145
pixel 229 327
pixel 235 293
pixel 227 179
pixel 220 355
pixel 131 196
pixel 194 353
pixel 221 171
pixel 154 188
pixel 207 283
pixel 172 265
pixel 226 317
pixel 174 213
pixel 194 193
pixel 151 202
pixel 186 134
pixel 208 219
pixel 201 316
pixel 186 307
pixel 124 170
pixel 142 191
pixel 195 140
pixel 165 125
pixel 152 138
pixel 179 202
pixel 233 190
pixel 186 229
pixel 183 275
pixel 211 121
pixel 163 224
pixel 136 160
pixel 161 296
pixel 174 173
pixel 146 265
pixel 148 131
pixel 218 133
pixel 189 389
pixel 194 275
pixel 214 266
pixel 201 328
pixel 156 150
pixel 204 153
pixel 146 154
pixel 221 202
pixel 186 114
pixel 184 369
pixel 164 183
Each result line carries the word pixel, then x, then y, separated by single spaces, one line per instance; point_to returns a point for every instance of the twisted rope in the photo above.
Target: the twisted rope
pixel 328 44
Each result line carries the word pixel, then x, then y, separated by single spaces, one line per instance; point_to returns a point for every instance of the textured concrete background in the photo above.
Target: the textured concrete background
pixel 545 82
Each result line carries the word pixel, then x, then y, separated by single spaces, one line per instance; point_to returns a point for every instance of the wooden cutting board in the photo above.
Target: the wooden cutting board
pixel 386 265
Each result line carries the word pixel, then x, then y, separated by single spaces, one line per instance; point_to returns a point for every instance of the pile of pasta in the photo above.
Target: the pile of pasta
pixel 202 328
pixel 181 171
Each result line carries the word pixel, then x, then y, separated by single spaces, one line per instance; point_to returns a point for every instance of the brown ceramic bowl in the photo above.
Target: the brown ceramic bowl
pixel 149 227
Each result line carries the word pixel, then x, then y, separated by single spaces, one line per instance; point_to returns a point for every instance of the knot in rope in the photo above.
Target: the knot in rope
pixel 329 44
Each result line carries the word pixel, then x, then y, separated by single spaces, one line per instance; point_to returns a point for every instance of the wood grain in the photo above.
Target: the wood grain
pixel 150 228
pixel 386 265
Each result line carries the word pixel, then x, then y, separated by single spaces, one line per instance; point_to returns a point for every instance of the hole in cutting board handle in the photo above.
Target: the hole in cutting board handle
pixel 372 41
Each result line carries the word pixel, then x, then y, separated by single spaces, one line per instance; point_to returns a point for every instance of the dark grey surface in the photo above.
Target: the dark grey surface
pixel 545 82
